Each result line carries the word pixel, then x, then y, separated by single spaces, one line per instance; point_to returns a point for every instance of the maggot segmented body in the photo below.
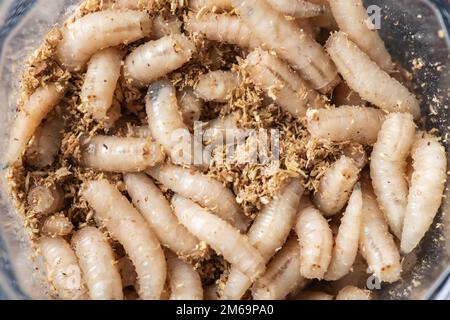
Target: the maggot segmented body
pixel 100 82
pixel 134 4
pixel 185 282
pixel 30 116
pixel 268 233
pixel 57 225
pixel 96 259
pixel 353 293
pixel 282 84
pixel 167 126
pixel 223 28
pixel 346 123
pixel 221 236
pixel 376 244
pixel 45 145
pixel 116 154
pixel 127 226
pixel 336 186
pixel 99 30
pixel 45 199
pixel 425 194
pixel 156 59
pixel 63 271
pixel 387 167
pixel 191 106
pixel 163 27
pixel 353 19
pixel 316 243
pixel 366 78
pixel 216 85
pixel 153 205
pixel 206 191
pixel 282 275
pixel 290 42
pixel 347 239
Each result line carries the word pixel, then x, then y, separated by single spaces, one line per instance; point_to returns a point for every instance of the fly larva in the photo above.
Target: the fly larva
pixel 282 275
pixel 30 116
pixel 357 154
pixel 185 282
pixel 353 19
pixel 163 27
pixel 335 186
pixel 353 293
pixel 223 28
pixel 96 259
pixel 57 225
pixel 427 185
pixel 117 154
pixel 45 199
pixel 155 208
pixel 156 59
pixel 215 132
pixel 134 4
pixel 63 271
pixel 128 227
pixel 387 167
pixel 291 43
pixel 216 85
pixel 376 244
pixel 191 106
pixel 282 84
pixel 344 96
pixel 221 236
pixel 268 233
pixel 365 77
pixel 142 132
pixel 314 295
pixel 100 82
pixel 346 123
pixel 316 243
pixel 204 190
pixel 214 5
pixel 100 30
pixel 45 145
pixel 347 239
pixel 166 123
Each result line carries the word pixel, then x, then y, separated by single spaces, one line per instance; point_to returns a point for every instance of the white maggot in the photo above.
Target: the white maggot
pixel 128 227
pixel 162 27
pixel 346 123
pixel 155 208
pixel 425 194
pixel 167 126
pixel 63 271
pixel 376 244
pixel 291 43
pixel 99 30
pixel 353 293
pixel 281 83
pixel 268 233
pixel 388 167
pixel 156 59
pixel 191 107
pixel 366 78
pixel 282 275
pixel 185 282
pixel 116 154
pixel 335 186
pixel 100 82
pixel 30 116
pixel 96 259
pixel 45 199
pixel 221 236
pixel 316 243
pixel 347 239
pixel 353 19
pixel 46 143
pixel 216 85
pixel 57 225
pixel 204 190
pixel 223 28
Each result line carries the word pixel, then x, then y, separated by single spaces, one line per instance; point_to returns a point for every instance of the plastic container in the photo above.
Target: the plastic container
pixel 412 29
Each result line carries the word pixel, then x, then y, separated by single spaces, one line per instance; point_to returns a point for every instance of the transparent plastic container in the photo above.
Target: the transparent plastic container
pixel 411 29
